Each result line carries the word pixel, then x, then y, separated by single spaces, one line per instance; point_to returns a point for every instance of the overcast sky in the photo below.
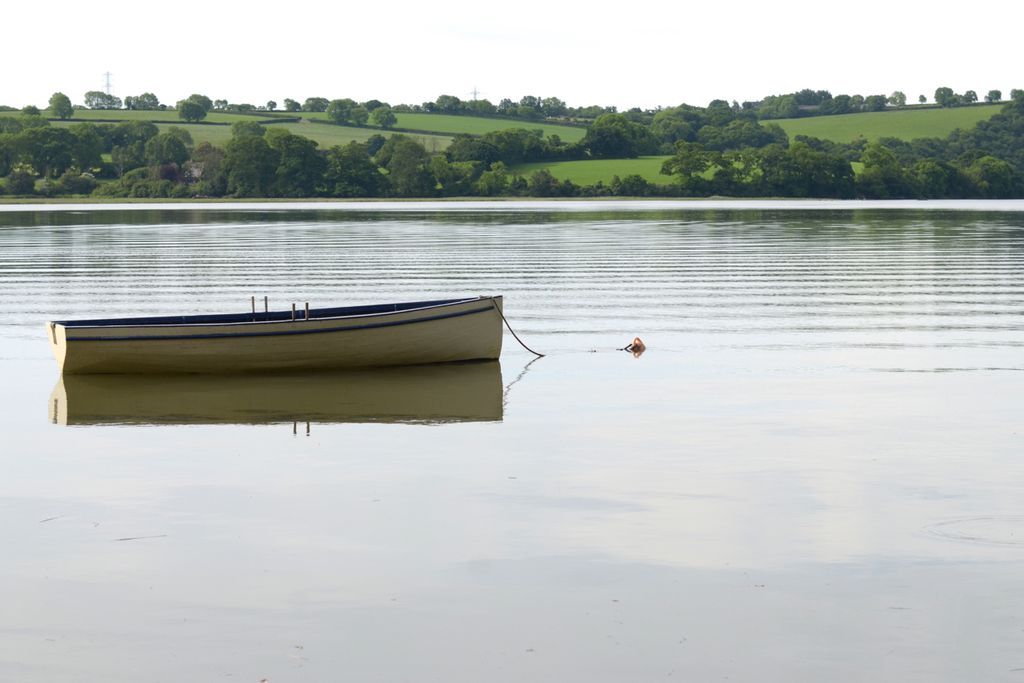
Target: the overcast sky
pixel 646 54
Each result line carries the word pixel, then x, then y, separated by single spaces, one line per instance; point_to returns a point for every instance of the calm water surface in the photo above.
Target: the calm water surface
pixel 815 472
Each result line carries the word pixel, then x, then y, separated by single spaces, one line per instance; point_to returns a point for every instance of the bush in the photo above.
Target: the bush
pixel 75 183
pixel 144 182
pixel 21 183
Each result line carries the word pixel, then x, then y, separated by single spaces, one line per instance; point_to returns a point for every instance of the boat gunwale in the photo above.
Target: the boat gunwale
pixel 181 321
pixel 290 332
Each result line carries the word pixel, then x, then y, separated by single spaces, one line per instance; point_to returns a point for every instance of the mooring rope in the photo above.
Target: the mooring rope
pixel 498 309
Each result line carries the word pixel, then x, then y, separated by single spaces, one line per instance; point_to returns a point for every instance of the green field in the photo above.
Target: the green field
pixel 472 125
pixel 475 125
pixel 905 124
pixel 325 136
pixel 589 171
pixel 329 136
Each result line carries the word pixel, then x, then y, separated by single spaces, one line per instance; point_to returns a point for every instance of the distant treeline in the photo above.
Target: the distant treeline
pixel 529 108
pixel 714 150
pixel 809 102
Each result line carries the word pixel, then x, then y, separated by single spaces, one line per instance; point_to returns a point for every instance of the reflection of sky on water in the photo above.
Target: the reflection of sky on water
pixel 754 504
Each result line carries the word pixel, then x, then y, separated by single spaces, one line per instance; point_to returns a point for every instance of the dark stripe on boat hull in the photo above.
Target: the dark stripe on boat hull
pixel 350 328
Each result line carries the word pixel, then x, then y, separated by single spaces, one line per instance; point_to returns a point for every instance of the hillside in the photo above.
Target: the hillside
pixel 588 172
pixel 437 129
pixel 718 150
pixel 904 124
pixel 325 136
pixel 469 125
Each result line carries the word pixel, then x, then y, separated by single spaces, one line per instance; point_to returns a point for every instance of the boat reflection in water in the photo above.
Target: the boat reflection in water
pixel 425 394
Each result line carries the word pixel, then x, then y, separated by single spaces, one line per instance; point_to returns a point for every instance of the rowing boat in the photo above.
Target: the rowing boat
pixel 411 333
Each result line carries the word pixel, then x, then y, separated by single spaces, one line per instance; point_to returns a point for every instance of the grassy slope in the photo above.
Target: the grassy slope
pixel 905 124
pixel 328 136
pixel 591 171
pixel 473 125
pixel 325 136
pixel 479 125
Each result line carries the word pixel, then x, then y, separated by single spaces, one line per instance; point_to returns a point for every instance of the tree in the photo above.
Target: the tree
pixel 206 170
pixel 875 103
pixel 921 99
pixel 194 107
pixel 250 165
pixel 493 182
pixel 945 97
pixel 970 97
pixel 552 106
pixel 315 104
pixel 689 163
pixel 933 179
pixel 205 102
pixel 882 177
pixel 994 178
pixel 840 104
pixel 271 105
pixel 300 167
pixel 96 99
pixel 543 184
pixel 291 105
pixel 374 143
pixel 132 131
pixel 898 99
pixel 800 171
pixel 30 110
pixel 448 104
pixel 454 179
pixel 779 107
pixel 147 101
pixel 87 149
pixel 60 105
pixel 481 107
pixel 166 148
pixel 47 150
pixel 384 117
pixel 243 128
pixel 350 172
pixel 1017 94
pixel 7 153
pixel 181 134
pixel 406 162
pixel 191 111
pixel 339 111
pixel 994 96
pixel 466 147
pixel 128 156
pixel 615 136
pixel 359 115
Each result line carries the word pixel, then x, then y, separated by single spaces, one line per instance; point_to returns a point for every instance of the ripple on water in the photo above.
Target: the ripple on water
pixel 1000 530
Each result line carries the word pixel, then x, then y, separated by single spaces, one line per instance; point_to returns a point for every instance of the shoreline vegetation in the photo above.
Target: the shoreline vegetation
pixel 801 145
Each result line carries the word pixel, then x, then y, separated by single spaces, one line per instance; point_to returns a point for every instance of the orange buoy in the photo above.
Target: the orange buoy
pixel 637 347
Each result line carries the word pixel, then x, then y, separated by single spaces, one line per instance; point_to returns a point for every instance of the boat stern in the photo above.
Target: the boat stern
pixel 57 334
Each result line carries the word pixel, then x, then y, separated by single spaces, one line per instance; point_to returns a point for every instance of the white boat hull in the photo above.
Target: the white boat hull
pixel 443 332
